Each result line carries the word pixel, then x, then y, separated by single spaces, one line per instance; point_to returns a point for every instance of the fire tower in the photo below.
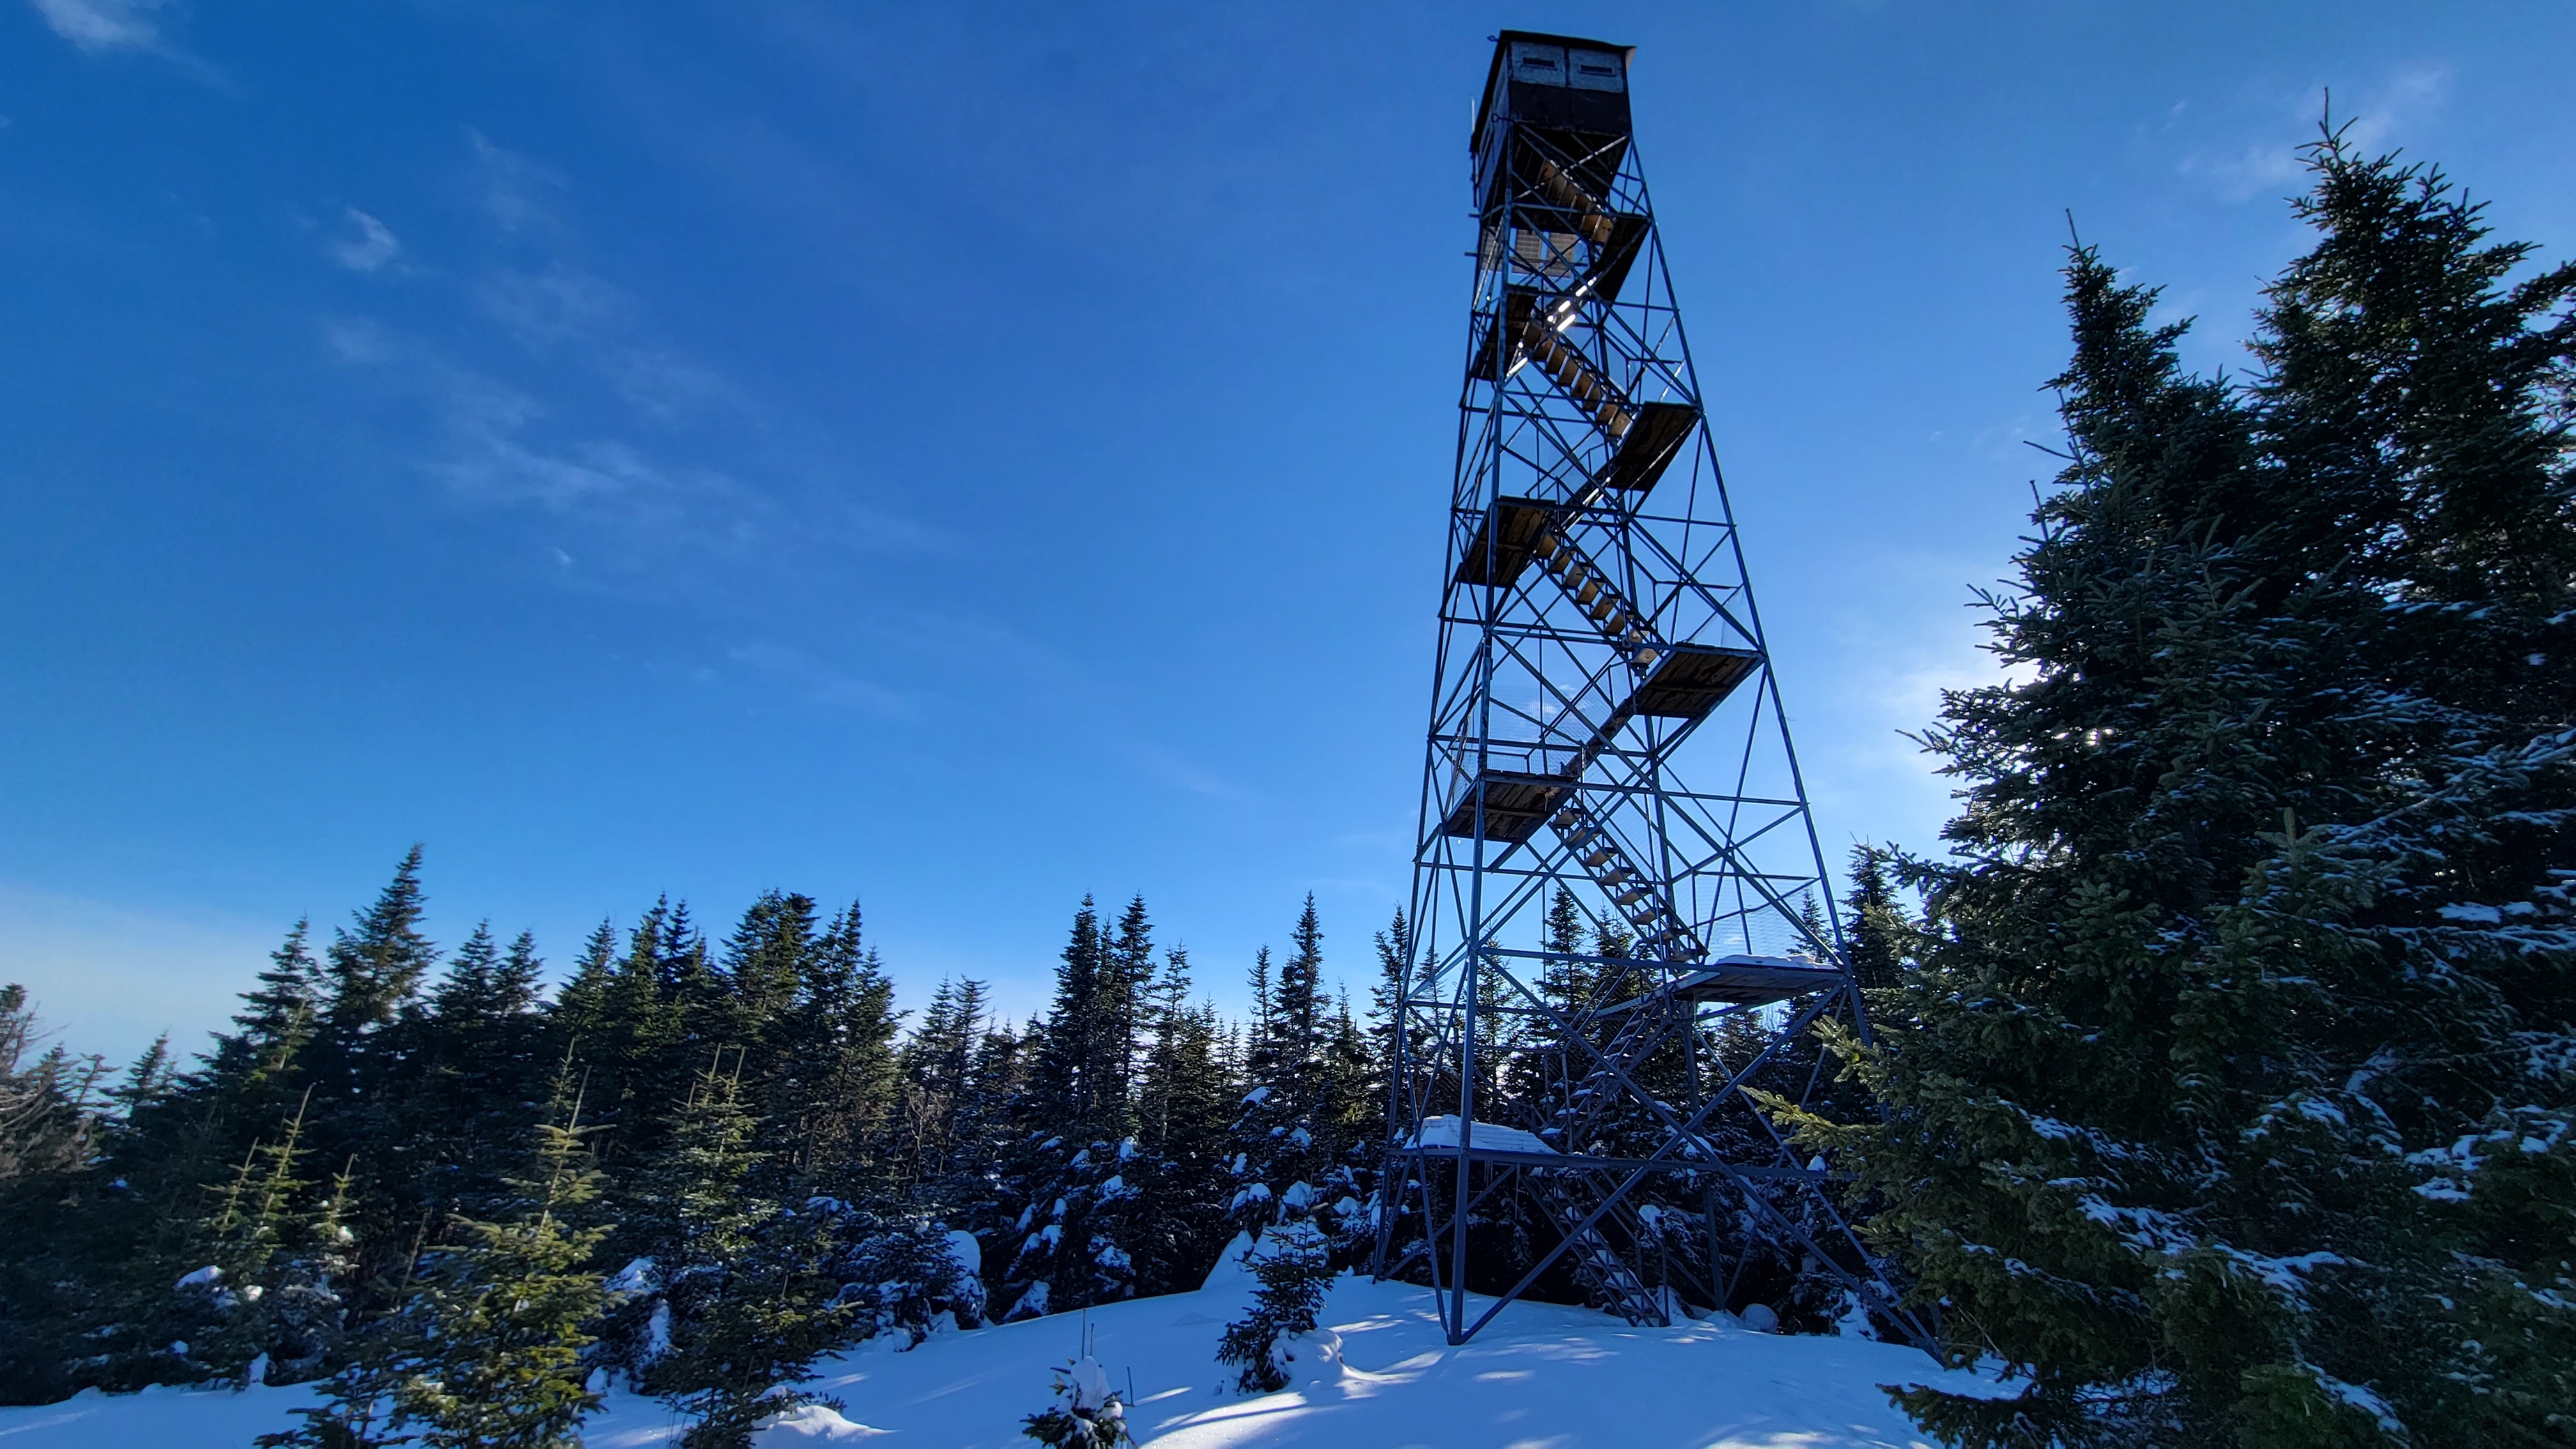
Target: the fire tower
pixel 1597 638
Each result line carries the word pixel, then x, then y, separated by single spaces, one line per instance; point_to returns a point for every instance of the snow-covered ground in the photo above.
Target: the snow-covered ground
pixel 1538 1375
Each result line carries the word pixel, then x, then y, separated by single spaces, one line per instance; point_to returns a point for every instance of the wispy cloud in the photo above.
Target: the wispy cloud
pixel 663 384
pixel 104 25
pixel 1162 763
pixel 2267 162
pixel 367 245
pixel 821 683
pixel 495 461
pixel 499 451
pixel 138 27
pixel 561 397
pixel 559 303
pixel 518 193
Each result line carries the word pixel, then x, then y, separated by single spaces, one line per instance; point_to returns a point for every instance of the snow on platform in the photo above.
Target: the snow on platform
pixel 1443 1132
pixel 1540 1374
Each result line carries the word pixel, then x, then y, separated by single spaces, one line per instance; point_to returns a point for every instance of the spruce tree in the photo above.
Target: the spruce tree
pixel 365 1041
pixel 254 1216
pixel 935 1065
pixel 504 1314
pixel 1298 1006
pixel 249 1066
pixel 1185 1107
pixel 479 1069
pixel 305 1310
pixel 50 1133
pixel 1874 923
pixel 1293 1268
pixel 1127 973
pixel 580 1011
pixel 373 970
pixel 1280 1158
pixel 631 1031
pixel 2228 1098
pixel 1090 1416
pixel 1073 1081
pixel 906 1275
pixel 746 1298
pixel 1078 1176
pixel 833 1086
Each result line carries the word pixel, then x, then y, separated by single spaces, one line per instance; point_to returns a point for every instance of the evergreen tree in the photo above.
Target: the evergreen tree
pixel 746 1298
pixel 1386 1016
pixel 1184 1109
pixel 249 1066
pixel 1078 1177
pixel 631 1032
pixel 1293 1269
pixel 372 972
pixel 47 1121
pixel 2257 949
pixel 580 1013
pixel 936 1064
pixel 305 1311
pixel 1281 1154
pixel 254 1216
pixel 1297 1008
pixel 503 1315
pixel 1080 1074
pixel 1092 1415
pixel 906 1276
pixel 357 1408
pixel 480 1066
pixel 765 964
pixel 50 1132
pixel 1350 1105
pixel 1875 928
pixel 833 1086
pixel 365 1045
pixel 1127 974
pixel 981 1129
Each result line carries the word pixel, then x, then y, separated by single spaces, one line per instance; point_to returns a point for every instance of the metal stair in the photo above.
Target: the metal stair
pixel 1606 1278
pixel 1635 893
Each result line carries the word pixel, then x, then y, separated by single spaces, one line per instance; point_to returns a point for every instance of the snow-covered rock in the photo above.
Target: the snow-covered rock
pixel 657 1332
pixel 1232 1274
pixel 1309 1358
pixel 1032 1304
pixel 639 1276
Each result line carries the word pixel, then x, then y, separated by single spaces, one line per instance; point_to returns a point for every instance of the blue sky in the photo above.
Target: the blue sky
pixel 964 457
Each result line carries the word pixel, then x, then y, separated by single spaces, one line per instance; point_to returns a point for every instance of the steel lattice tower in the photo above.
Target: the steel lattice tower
pixel 1597 635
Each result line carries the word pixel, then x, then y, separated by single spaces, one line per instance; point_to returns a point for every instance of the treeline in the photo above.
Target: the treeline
pixel 707 1162
pixel 744 1144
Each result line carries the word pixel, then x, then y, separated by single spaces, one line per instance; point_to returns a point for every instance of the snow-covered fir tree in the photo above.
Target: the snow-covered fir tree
pixel 1293 1266
pixel 2230 1092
